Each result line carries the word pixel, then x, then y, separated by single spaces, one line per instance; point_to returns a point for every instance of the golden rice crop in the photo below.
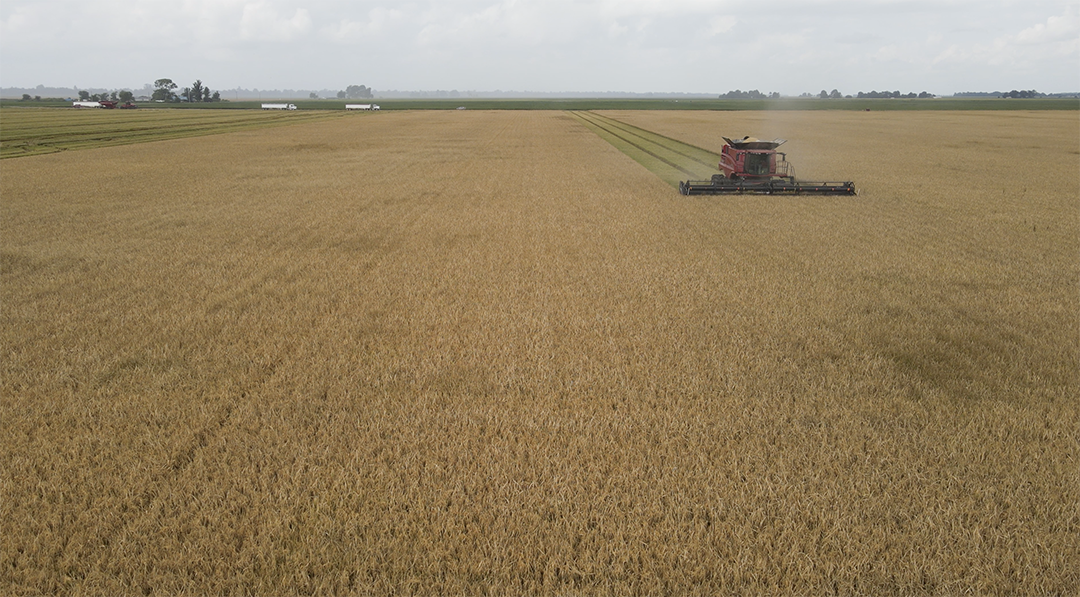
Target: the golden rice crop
pixel 485 352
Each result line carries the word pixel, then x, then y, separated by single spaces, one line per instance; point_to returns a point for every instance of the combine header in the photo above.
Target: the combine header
pixel 750 166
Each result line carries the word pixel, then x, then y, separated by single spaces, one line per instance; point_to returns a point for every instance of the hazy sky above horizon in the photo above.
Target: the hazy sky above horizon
pixel 706 46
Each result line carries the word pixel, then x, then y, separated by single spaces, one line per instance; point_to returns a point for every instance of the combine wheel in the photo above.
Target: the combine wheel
pixel 718 178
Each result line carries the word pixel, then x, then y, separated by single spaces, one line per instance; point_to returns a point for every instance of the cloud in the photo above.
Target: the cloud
pixel 497 25
pixel 550 45
pixel 379 22
pixel 261 22
pixel 528 23
pixel 650 8
pixel 23 23
pixel 1064 28
pixel 1056 38
pixel 616 29
pixel 210 22
pixel 721 24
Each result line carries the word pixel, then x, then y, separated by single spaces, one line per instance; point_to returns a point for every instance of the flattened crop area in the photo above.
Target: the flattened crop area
pixel 34 131
pixel 486 352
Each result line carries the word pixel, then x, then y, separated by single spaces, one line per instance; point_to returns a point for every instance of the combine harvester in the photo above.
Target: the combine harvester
pixel 750 166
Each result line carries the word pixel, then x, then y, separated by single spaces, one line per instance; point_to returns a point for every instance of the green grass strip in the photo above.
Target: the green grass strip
pixel 37 131
pixel 670 160
pixel 701 156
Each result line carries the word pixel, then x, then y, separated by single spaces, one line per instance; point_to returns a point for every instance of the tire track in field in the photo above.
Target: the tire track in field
pixel 699 155
pixel 636 141
pixel 669 159
pixel 169 472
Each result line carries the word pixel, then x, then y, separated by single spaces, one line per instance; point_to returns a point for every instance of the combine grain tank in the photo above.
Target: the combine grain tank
pixel 751 166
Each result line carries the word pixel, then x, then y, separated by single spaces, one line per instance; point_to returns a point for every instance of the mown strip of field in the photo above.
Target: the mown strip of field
pixel 667 158
pixel 35 131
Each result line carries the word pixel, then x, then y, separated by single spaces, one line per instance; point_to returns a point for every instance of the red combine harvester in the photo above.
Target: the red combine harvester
pixel 750 166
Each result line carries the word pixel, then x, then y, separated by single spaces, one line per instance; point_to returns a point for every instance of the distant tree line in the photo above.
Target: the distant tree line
pixel 164 91
pixel 122 95
pixel 356 92
pixel 835 94
pixel 453 94
pixel 1023 94
pixel 752 94
pixel 888 94
pixel 26 97
pixel 1015 94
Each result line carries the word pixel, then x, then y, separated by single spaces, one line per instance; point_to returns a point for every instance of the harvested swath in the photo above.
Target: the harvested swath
pixel 464 352
pixel 668 158
pixel 34 131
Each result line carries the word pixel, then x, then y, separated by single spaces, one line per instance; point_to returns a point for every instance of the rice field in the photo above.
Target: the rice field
pixel 489 353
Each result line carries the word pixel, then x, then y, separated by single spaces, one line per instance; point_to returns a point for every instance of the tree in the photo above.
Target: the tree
pixel 752 94
pixel 1024 93
pixel 824 94
pixel 84 95
pixel 163 90
pixel 358 92
pixel 114 96
pixel 195 95
pixel 834 94
pixel 126 96
pixel 26 97
pixel 341 95
pixel 313 95
pixel 216 97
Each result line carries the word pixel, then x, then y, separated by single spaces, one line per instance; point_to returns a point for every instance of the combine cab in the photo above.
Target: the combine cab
pixel 754 167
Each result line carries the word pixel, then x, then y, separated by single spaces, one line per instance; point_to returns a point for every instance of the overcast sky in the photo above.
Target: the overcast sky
pixel 711 46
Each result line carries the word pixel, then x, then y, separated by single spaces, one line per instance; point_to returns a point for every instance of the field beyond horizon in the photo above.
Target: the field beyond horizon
pixel 464 352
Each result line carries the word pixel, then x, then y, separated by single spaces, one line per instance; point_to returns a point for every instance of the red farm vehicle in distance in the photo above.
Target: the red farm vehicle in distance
pixel 753 166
